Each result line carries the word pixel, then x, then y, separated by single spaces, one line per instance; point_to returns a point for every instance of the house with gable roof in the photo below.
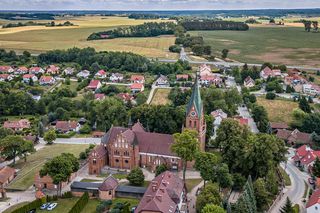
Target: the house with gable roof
pixel 313 204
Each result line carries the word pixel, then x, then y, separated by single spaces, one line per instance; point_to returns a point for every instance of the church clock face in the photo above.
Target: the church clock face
pixel 193 114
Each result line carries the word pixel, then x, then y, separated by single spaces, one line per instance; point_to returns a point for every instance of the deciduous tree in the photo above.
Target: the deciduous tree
pixel 50 136
pixel 136 177
pixel 210 208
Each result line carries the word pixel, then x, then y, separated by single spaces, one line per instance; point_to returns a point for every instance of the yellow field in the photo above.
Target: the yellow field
pixel 278 110
pixel 161 97
pixel 37 39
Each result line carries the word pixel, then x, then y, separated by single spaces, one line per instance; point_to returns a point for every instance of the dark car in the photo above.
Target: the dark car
pixel 32 211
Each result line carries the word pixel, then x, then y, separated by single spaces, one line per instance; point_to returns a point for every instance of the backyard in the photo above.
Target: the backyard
pixel 160 97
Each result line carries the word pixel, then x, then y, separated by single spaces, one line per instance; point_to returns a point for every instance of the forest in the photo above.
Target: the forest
pixel 191 25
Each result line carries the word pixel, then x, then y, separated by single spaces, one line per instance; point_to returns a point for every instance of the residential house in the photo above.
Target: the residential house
pixel 125 97
pixel 311 89
pixel 205 70
pixel 46 182
pixel 6 77
pixel 98 134
pixel 67 126
pixel 242 120
pixel 267 72
pixel 21 70
pixel 313 204
pixel 94 85
pixel 137 87
pixel 69 71
pixel 304 157
pixel 47 80
pixel 248 82
pixel 182 77
pixel 99 96
pixel 218 116
pixel 210 79
pixel 101 74
pixel 26 78
pixel 275 126
pixel 6 69
pixel 116 77
pixel 83 74
pixel 7 174
pixel 166 193
pixel 162 81
pixel 36 70
pixel 17 125
pixel 139 79
pixel 53 70
pixel 294 137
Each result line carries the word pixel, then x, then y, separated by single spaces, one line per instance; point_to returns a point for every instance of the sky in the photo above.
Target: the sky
pixel 154 4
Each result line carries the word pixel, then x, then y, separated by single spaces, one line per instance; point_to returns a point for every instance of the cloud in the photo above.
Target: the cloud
pixel 153 4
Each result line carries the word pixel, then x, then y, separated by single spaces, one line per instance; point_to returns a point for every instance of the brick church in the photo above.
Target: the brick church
pixel 127 148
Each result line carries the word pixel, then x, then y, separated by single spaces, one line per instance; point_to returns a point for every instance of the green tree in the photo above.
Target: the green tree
pixel 205 163
pixel 316 168
pixel 160 169
pixel 304 105
pixel 4 132
pixel 209 195
pixel 50 136
pixel 270 96
pixel 13 145
pixel 210 208
pixel 260 116
pixel 261 194
pixel 224 53
pixel 186 146
pixel 136 177
pixel 288 207
pixel 222 176
pixel 85 129
pixel 60 169
pixel 141 98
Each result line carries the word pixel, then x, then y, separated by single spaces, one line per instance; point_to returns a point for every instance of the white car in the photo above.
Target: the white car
pixel 44 206
pixel 52 206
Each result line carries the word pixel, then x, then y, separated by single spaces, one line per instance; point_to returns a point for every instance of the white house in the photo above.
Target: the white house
pixel 162 81
pixel 47 80
pixel 137 79
pixel 6 77
pixel 26 78
pixel 268 72
pixel 311 89
pixel 69 71
pixel 116 77
pixel 136 88
pixel 83 74
pixel 313 205
pixel 101 74
pixel 36 70
pixel 6 69
pixel 21 70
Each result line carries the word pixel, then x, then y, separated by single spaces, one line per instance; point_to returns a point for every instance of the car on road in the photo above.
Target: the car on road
pixel 311 181
pixel 44 206
pixel 52 206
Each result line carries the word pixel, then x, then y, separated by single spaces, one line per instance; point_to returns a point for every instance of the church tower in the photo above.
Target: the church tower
pixel 195 116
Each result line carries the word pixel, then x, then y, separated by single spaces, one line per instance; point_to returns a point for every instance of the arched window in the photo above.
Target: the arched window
pixel 94 161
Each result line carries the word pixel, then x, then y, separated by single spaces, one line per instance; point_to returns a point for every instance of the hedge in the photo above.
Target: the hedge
pixel 68 135
pixel 33 205
pixel 80 204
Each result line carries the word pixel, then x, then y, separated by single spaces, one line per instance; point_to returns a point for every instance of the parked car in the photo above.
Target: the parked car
pixel 52 206
pixel 133 209
pixel 44 206
pixel 32 211
pixel 311 181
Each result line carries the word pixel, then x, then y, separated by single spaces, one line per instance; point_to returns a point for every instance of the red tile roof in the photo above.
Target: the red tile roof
pixel 66 125
pixel 136 86
pixel 275 125
pixel 101 72
pixel 99 96
pixel 125 96
pixel 5 68
pixel 28 75
pixel 109 184
pixel 93 84
pixel 314 199
pixel 294 136
pixel 137 78
pixel 182 76
pixel 46 79
pixel 163 194
pixel 21 124
pixel 4 76
pixel 35 69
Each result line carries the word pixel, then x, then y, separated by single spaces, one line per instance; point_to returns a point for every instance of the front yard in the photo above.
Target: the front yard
pixel 160 97
pixel 64 205
pixel 35 161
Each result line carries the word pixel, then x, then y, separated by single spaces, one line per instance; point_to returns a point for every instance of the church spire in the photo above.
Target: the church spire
pixel 195 99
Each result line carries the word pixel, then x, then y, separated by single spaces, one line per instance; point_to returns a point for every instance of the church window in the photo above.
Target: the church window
pixel 190 123
pixel 126 161
pixel 117 160
pixel 94 161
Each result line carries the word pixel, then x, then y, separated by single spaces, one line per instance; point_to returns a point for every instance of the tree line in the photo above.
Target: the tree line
pixel 150 29
pixel 192 25
pixel 143 16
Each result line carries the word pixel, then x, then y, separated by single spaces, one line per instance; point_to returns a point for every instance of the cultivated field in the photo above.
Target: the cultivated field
pixel 276 44
pixel 161 97
pixel 35 161
pixel 37 39
pixel 278 110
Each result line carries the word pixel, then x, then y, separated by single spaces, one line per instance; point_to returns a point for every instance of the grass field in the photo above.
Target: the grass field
pixel 64 205
pixel 278 110
pixel 37 39
pixel 161 97
pixel 276 44
pixel 191 183
pixel 91 206
pixel 35 161
pixel 14 207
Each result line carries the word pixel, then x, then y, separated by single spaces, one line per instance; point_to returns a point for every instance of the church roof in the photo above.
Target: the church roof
pixel 195 99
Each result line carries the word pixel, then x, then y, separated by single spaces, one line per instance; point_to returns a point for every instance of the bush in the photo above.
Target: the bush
pixel 67 194
pixel 80 204
pixel 136 177
pixel 270 96
pixel 83 155
pixel 175 48
pixel 68 135
pixel 33 205
pixel 86 129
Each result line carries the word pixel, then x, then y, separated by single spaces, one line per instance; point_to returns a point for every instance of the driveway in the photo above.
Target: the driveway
pixel 244 112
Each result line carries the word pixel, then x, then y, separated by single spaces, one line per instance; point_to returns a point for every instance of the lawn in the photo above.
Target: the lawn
pixel 191 183
pixel 287 180
pixel 14 207
pixel 35 161
pixel 133 202
pixel 37 39
pixel 91 206
pixel 278 110
pixel 160 97
pixel 276 44
pixel 64 205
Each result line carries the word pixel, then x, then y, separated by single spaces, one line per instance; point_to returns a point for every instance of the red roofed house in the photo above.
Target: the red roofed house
pixel 182 77
pixel 136 88
pixel 137 79
pixel 67 126
pixel 304 157
pixel 6 77
pixel 248 82
pixel 313 204
pixel 46 182
pixel 242 121
pixel 17 125
pixel 26 78
pixel 94 85
pixel 275 126
pixel 52 70
pixel 210 79
pixel 7 174
pixel 205 70
pixel 6 69
pixel 101 74
pixel 125 97
pixel 165 194
pixel 46 80
pixel 36 70
pixel 99 96
pixel 116 77
pixel 267 72
pixel 107 190
pixel 21 70
pixel 295 136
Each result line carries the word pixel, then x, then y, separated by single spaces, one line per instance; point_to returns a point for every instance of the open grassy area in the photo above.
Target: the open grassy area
pixel 191 183
pixel 278 110
pixel 38 39
pixel 287 180
pixel 64 205
pixel 35 161
pixel 160 97
pixel 91 206
pixel 276 44
pixel 14 207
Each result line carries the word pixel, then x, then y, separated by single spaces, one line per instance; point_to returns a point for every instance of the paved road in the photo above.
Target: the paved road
pixel 74 141
pixel 244 112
